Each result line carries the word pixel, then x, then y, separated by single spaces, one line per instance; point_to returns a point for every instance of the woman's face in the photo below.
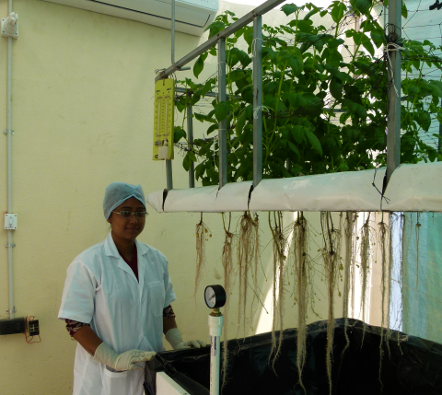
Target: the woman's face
pixel 127 229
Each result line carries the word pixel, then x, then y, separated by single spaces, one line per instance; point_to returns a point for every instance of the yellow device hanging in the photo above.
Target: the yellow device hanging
pixel 164 119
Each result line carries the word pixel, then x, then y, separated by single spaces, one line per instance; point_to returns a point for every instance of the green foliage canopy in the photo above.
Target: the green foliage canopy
pixel 324 97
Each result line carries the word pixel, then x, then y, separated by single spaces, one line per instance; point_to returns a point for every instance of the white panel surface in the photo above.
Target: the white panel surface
pixel 411 188
pixel 415 188
pixel 166 386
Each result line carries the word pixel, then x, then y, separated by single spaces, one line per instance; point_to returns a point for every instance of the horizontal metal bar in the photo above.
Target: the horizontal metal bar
pixel 245 20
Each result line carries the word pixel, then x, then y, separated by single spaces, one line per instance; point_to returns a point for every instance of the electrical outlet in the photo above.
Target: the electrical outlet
pixel 15 325
pixel 33 328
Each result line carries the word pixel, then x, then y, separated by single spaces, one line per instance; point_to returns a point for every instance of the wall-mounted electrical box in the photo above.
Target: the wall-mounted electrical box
pixel 33 328
pixel 11 221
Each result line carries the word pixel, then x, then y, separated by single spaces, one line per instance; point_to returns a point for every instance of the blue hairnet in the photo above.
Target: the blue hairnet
pixel 117 193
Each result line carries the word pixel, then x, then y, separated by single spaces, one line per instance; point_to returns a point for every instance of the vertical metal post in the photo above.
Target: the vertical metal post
pixel 439 144
pixel 222 127
pixel 257 99
pixel 169 174
pixel 190 139
pixel 394 92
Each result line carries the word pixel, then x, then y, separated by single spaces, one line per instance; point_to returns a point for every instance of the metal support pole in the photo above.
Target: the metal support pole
pixel 172 46
pixel 439 144
pixel 190 139
pixel 222 127
pixel 394 92
pixel 169 174
pixel 257 100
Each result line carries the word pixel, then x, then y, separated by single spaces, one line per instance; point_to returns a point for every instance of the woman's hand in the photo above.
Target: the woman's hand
pixel 173 336
pixel 120 362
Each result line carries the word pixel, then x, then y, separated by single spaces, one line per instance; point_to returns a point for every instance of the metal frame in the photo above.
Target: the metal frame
pixel 255 16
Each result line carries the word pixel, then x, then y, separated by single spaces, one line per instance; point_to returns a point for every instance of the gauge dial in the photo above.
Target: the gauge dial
pixel 215 296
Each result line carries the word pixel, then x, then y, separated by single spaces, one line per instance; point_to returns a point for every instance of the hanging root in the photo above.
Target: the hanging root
pixel 300 247
pixel 256 256
pixel 202 233
pixel 349 228
pixel 385 281
pixel 228 278
pixel 365 263
pixel 330 254
pixel 247 253
pixel 279 258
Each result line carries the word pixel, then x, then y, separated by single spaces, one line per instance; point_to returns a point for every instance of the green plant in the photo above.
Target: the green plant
pixel 324 97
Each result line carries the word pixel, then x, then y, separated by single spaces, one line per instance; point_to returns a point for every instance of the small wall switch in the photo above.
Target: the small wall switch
pixel 11 221
pixel 9 327
pixel 33 328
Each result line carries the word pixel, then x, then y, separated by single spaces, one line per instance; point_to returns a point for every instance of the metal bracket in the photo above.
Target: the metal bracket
pixel 5 132
pixel 10 245
pixel 13 311
pixel 10 26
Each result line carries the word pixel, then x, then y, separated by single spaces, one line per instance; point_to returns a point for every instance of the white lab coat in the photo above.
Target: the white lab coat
pixel 102 290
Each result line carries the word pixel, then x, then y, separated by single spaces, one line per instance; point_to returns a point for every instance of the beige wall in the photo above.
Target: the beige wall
pixel 82 115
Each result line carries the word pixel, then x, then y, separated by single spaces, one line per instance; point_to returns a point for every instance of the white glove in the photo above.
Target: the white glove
pixel 173 336
pixel 120 362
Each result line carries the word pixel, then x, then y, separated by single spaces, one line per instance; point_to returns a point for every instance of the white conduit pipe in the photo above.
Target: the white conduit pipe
pixel 216 329
pixel 11 309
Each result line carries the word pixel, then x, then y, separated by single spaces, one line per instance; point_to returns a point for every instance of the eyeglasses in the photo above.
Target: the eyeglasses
pixel 127 214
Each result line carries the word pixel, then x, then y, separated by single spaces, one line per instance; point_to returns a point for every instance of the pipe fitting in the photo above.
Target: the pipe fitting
pixel 10 25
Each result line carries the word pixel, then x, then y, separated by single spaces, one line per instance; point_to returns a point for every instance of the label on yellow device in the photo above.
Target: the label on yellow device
pixel 164 119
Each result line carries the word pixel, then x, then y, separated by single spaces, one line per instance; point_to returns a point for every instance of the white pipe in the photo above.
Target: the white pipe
pixel 216 329
pixel 9 170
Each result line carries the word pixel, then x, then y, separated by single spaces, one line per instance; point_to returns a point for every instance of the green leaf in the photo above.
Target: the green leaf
pixel 303 25
pixel 200 117
pixel 298 133
pixel 242 118
pixel 363 6
pixel 289 9
pixel 314 11
pixel 270 87
pixel 338 11
pixel 188 159
pixel 435 87
pixel 378 38
pixel 404 11
pixel 199 65
pixel 296 62
pixel 424 120
pixel 212 128
pixel 199 171
pixel 314 141
pixel 367 45
pixel 294 149
pixel 343 166
pixel 222 110
pixel 178 134
pixel 336 88
pixel 215 28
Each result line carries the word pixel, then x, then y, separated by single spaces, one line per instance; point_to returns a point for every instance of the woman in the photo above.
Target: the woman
pixel 116 302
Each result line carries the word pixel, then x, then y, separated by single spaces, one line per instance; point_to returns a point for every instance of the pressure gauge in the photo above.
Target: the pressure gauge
pixel 215 296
